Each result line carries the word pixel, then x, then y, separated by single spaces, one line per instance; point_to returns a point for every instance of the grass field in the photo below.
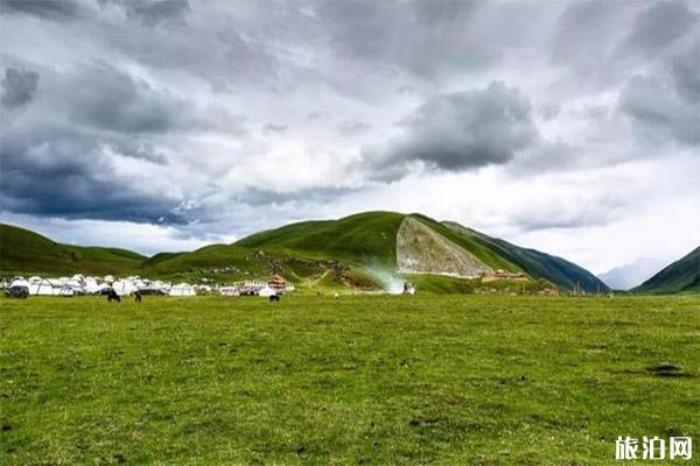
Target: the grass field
pixel 377 380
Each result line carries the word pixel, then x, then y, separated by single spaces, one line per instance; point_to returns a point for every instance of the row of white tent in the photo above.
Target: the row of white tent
pixel 81 285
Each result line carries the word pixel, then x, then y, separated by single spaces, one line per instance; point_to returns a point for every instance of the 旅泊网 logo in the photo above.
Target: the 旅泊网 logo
pixel 653 448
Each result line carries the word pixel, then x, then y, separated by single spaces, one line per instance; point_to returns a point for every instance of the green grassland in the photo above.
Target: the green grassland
pixel 359 380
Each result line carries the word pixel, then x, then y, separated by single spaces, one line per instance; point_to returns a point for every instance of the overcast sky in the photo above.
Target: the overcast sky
pixel 165 125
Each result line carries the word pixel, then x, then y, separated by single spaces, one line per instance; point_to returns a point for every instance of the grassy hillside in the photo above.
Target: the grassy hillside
pixel 480 380
pixel 561 272
pixel 365 238
pixel 236 260
pixel 222 263
pixel 23 251
pixel 680 277
pixel 354 252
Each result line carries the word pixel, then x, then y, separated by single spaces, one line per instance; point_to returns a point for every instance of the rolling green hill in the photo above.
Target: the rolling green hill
pixel 682 276
pixel 228 263
pixel 366 251
pixel 23 251
pixel 370 238
pixel 362 238
pixel 565 274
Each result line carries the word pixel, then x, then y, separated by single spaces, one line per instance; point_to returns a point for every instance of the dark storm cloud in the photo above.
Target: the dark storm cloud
pixel 602 41
pixel 153 12
pixel 666 105
pixel 685 71
pixel 18 87
pixel 466 130
pixel 587 32
pixel 378 32
pixel 106 98
pixel 58 172
pixel 56 10
pixel 655 107
pixel 159 11
pixel 62 156
pixel 129 147
pixel 658 26
pixel 227 57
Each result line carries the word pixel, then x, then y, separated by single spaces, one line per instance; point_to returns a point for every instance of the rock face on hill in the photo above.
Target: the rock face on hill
pixel 420 249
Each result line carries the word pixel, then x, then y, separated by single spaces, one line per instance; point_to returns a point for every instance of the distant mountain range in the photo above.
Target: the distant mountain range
pixel 682 276
pixel 364 250
pixel 633 274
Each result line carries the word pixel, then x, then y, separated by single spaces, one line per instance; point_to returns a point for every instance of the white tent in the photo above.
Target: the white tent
pixel 64 291
pixel 90 284
pixel 55 282
pixel 92 287
pixel 41 288
pixel 124 287
pixel 74 285
pixel 266 292
pixel 20 282
pixel 19 288
pixel 229 291
pixel 162 286
pixel 182 289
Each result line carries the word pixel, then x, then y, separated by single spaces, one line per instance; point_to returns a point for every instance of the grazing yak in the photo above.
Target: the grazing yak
pixel 113 296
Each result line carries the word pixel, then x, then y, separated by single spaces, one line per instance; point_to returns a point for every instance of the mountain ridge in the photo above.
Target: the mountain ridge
pixel 20 247
pixel 351 251
pixel 681 276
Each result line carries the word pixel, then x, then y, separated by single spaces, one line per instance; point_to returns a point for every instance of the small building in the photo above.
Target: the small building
pixel 500 274
pixel 277 282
